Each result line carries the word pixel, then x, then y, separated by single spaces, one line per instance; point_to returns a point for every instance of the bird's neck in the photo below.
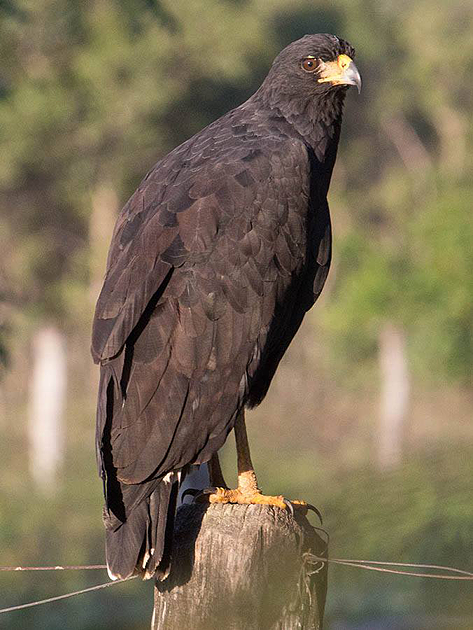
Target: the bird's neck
pixel 317 121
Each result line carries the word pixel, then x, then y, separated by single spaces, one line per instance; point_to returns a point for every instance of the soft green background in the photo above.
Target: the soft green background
pixel 91 94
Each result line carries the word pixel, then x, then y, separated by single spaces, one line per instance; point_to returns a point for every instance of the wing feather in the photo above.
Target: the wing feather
pixel 203 260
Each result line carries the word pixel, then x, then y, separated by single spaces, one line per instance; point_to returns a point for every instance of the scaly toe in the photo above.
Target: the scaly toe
pixel 262 499
pixel 226 495
pixel 219 495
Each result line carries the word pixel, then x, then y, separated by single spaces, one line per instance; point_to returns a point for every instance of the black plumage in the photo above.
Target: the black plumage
pixel 213 263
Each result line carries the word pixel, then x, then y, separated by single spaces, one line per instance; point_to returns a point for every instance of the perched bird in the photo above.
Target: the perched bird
pixel 213 263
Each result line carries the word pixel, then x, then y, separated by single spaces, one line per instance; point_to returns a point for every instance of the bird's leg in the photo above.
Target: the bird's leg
pixel 247 491
pixel 215 472
pixel 247 482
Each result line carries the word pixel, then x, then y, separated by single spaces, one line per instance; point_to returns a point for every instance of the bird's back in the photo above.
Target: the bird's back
pixel 213 263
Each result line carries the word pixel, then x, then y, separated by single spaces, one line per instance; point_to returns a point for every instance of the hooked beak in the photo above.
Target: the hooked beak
pixel 340 72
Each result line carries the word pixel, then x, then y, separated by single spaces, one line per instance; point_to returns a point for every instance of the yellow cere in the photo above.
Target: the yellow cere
pixel 333 71
pixel 344 61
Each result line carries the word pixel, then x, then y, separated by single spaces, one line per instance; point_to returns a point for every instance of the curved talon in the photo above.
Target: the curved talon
pixel 198 495
pixel 289 506
pixel 305 507
pixel 309 506
pixel 204 494
pixel 193 492
pixel 211 490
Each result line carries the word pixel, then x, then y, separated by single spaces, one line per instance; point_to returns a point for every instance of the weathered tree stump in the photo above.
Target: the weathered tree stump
pixel 242 567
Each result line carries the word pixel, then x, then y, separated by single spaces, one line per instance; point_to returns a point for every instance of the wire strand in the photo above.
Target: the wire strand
pixel 406 564
pixel 368 565
pixel 58 597
pixel 57 568
pixel 346 561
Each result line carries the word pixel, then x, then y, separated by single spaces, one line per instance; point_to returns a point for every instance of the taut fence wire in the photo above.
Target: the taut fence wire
pixel 58 597
pixel 369 565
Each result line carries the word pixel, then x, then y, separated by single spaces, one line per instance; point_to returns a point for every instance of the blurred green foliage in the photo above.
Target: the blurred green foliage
pixel 97 94
pixel 91 94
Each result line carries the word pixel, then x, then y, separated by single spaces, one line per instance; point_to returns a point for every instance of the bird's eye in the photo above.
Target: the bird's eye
pixel 309 64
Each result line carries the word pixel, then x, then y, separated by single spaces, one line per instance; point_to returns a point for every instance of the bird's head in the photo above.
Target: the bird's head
pixel 317 63
pixel 312 68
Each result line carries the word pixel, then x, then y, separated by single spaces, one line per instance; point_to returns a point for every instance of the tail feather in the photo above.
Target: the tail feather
pixel 123 545
pixel 163 506
pixel 141 545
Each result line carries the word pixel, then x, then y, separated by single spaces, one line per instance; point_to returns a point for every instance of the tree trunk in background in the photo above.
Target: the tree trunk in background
pixel 46 407
pixel 408 144
pixel 102 219
pixel 104 211
pixel 452 129
pixel 395 390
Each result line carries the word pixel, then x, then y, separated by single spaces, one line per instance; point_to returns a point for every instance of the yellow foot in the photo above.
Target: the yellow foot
pixel 224 495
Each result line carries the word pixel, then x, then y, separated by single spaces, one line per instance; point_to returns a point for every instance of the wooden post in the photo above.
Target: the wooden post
pixel 242 567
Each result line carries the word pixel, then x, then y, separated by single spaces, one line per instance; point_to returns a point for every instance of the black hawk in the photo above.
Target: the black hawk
pixel 214 262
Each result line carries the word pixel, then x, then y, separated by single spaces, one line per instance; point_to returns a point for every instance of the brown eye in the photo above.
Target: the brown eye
pixel 309 65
